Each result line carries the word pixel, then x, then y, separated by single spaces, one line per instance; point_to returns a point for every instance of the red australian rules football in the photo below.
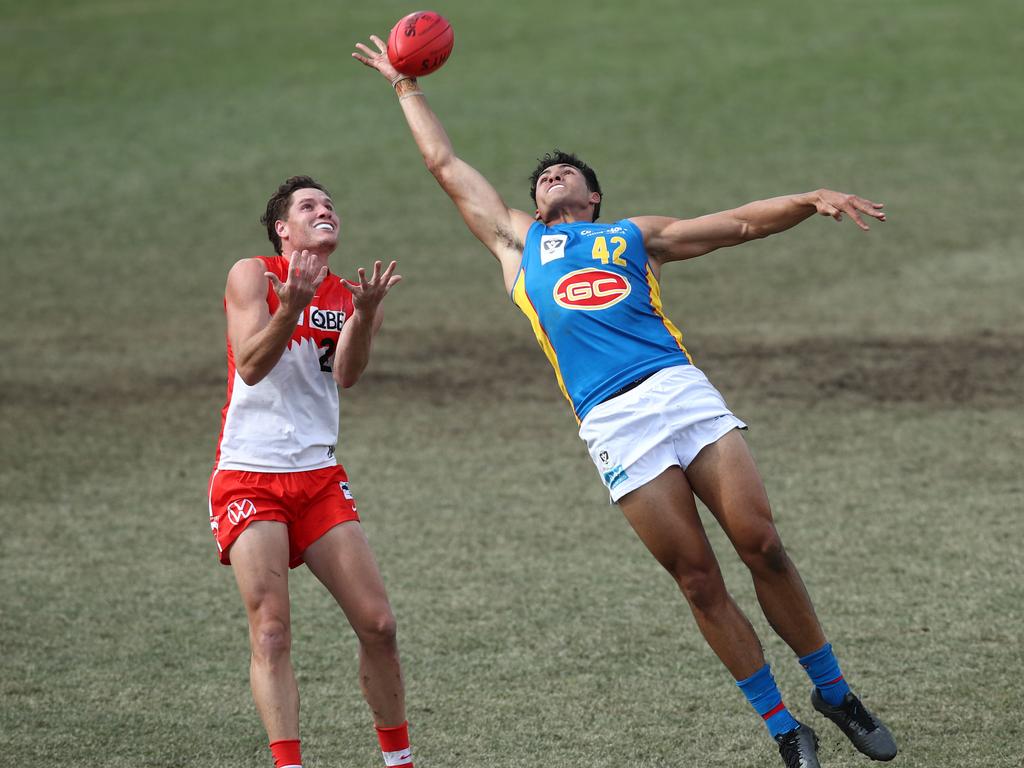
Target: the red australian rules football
pixel 420 43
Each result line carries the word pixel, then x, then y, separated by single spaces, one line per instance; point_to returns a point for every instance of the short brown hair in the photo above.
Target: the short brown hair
pixel 281 200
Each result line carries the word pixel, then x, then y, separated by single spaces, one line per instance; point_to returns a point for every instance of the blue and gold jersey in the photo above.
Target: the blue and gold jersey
pixel 595 307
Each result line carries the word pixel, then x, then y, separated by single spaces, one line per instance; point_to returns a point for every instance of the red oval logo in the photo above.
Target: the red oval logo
pixel 590 289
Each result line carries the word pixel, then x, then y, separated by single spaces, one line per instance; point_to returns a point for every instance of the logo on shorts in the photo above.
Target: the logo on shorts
pixel 591 289
pixel 552 247
pixel 346 491
pixel 240 510
pixel 603 455
pixel 614 476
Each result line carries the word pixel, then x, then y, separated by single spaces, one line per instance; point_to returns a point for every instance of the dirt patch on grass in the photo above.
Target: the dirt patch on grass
pixel 978 370
pixel 985 370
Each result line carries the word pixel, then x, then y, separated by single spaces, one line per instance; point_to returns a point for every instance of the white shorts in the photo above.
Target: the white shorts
pixel 664 421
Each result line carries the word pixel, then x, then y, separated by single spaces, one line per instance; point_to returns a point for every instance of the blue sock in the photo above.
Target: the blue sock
pixel 823 669
pixel 764 697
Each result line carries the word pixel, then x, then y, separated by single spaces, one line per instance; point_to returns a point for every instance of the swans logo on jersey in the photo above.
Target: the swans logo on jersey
pixel 239 510
pixel 326 319
pixel 552 247
pixel 591 289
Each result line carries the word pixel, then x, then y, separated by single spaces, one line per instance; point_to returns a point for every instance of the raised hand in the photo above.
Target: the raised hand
pixel 367 294
pixel 302 281
pixel 835 204
pixel 377 59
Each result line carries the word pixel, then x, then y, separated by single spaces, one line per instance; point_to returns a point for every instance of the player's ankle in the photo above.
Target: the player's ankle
pixel 286 753
pixel 394 745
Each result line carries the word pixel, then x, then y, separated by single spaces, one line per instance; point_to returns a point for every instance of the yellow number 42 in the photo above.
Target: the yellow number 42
pixel 600 250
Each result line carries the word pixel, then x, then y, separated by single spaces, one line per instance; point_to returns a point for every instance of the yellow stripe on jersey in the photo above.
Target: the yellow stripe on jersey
pixel 523 302
pixel 652 283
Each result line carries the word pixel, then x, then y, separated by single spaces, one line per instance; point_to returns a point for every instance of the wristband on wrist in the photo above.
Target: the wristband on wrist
pixel 406 85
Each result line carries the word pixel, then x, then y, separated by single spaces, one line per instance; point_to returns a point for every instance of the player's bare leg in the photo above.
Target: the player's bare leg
pixel 726 479
pixel 259 558
pixel 343 561
pixel 664 515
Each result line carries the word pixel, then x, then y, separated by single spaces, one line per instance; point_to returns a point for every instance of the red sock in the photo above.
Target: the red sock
pixel 286 753
pixel 394 743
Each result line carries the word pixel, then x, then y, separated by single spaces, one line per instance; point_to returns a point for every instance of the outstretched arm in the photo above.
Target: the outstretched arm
pixel 669 239
pixel 500 228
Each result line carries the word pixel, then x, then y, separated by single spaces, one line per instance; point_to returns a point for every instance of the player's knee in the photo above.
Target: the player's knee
pixel 764 552
pixel 703 588
pixel 379 629
pixel 271 640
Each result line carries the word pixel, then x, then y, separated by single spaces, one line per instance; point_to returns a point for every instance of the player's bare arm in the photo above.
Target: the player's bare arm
pixel 500 228
pixel 258 339
pixel 353 353
pixel 669 239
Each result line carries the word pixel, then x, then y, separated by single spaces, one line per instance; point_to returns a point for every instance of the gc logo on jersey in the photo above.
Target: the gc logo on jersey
pixel 552 247
pixel 591 289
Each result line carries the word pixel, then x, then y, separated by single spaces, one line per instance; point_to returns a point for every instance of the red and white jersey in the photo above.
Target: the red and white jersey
pixel 288 421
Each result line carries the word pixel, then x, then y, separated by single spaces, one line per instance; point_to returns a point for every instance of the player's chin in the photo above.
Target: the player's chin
pixel 322 239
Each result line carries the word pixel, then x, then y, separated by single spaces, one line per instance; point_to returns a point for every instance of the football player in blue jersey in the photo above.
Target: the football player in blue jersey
pixel 658 431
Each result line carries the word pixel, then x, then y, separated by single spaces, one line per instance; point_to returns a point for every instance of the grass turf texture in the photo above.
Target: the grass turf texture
pixel 881 374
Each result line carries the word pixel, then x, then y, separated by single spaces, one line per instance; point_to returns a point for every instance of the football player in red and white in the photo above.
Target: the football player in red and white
pixel 278 496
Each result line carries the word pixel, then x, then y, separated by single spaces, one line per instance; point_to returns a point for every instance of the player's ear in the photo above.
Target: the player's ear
pixel 536 215
pixel 595 197
pixel 281 227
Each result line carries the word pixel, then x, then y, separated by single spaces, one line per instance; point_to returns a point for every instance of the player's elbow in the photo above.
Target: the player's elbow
pixel 747 231
pixel 345 378
pixel 250 374
pixel 439 163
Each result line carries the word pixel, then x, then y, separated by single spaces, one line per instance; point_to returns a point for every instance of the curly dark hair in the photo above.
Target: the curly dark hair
pixel 558 157
pixel 279 202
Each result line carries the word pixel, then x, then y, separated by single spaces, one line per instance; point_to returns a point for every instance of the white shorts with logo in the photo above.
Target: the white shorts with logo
pixel 664 421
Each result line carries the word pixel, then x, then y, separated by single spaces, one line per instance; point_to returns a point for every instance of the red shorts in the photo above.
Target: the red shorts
pixel 309 503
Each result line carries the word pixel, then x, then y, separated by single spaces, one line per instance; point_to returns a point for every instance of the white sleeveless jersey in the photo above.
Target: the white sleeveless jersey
pixel 288 421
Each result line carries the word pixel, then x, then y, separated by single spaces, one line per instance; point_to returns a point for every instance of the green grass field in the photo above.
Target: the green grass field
pixel 881 374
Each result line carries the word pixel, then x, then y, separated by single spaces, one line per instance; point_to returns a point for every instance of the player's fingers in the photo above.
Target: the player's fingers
pixel 367 50
pixel 295 264
pixel 386 277
pixel 379 43
pixel 393 281
pixel 354 287
pixel 308 264
pixel 376 272
pixel 321 277
pixel 856 218
pixel 273 280
pixel 362 277
pixel 870 208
